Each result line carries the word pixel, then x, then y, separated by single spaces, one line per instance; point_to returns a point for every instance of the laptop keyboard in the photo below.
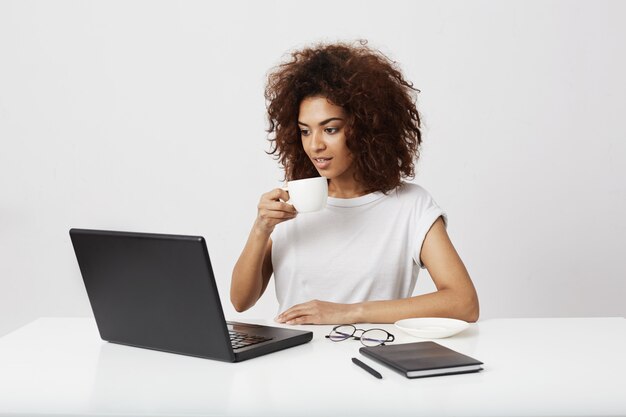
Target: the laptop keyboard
pixel 240 340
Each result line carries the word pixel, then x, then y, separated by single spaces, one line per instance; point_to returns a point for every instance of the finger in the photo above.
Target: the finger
pixel 283 194
pixel 303 320
pixel 295 312
pixel 296 316
pixel 292 309
pixel 276 215
pixel 277 206
pixel 283 317
pixel 276 194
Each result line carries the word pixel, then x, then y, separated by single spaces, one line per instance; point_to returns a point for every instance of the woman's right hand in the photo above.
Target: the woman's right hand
pixel 273 209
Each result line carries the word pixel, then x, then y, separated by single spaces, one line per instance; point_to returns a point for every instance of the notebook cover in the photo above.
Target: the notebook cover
pixel 419 356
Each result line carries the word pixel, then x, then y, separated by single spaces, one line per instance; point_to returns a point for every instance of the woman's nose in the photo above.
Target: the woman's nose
pixel 317 141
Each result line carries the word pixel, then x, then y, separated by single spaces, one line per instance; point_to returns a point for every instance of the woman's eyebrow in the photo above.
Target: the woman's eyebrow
pixel 323 122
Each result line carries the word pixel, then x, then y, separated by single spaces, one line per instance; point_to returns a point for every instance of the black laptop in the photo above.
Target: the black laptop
pixel 158 292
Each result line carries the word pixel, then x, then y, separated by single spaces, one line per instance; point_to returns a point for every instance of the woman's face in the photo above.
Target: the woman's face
pixel 323 138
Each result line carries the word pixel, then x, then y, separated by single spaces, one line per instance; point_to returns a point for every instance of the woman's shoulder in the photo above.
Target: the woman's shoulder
pixel 410 194
pixel 412 191
pixel 420 202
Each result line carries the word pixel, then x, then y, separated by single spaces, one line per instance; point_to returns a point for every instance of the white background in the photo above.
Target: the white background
pixel 149 116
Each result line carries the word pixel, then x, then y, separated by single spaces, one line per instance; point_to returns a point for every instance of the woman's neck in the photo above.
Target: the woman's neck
pixel 353 189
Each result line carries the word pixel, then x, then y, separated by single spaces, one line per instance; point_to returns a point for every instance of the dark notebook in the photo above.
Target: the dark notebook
pixel 420 359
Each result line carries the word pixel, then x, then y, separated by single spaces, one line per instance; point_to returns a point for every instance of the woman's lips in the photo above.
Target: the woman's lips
pixel 321 163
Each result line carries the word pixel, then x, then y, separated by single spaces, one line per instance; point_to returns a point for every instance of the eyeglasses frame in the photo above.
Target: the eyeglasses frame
pixel 360 338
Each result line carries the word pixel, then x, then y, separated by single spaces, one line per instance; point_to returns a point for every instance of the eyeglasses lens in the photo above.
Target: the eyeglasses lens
pixel 340 333
pixel 374 337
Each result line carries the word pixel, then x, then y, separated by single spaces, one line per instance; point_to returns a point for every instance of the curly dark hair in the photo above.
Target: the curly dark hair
pixel 383 124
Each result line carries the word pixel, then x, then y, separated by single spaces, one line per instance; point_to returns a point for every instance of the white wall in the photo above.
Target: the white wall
pixel 149 116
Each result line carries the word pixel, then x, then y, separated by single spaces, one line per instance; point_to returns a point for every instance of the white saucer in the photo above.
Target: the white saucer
pixel 432 327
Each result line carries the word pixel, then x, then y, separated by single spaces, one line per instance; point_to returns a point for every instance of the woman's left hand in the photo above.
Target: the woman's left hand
pixel 317 312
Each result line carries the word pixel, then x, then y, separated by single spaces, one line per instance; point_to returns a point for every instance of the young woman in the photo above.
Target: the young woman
pixel 345 112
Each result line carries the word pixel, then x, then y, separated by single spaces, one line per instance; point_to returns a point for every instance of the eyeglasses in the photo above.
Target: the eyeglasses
pixel 370 337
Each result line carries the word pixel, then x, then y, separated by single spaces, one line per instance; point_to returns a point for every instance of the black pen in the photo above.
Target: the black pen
pixel 367 368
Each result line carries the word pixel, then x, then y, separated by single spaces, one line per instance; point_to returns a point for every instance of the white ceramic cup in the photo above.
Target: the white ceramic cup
pixel 309 194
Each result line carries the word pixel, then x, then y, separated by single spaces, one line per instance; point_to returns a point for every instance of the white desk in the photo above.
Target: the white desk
pixel 532 367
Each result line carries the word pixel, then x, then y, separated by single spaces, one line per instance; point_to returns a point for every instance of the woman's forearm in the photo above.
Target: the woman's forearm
pixel 457 303
pixel 462 305
pixel 253 269
pixel 249 279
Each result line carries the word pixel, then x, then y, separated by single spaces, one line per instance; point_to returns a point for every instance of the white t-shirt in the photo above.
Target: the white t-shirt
pixel 356 249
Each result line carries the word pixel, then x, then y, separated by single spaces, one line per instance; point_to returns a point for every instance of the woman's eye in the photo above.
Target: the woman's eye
pixel 331 130
pixel 304 132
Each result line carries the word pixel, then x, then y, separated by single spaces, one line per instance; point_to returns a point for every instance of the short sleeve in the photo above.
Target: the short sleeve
pixel 425 216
